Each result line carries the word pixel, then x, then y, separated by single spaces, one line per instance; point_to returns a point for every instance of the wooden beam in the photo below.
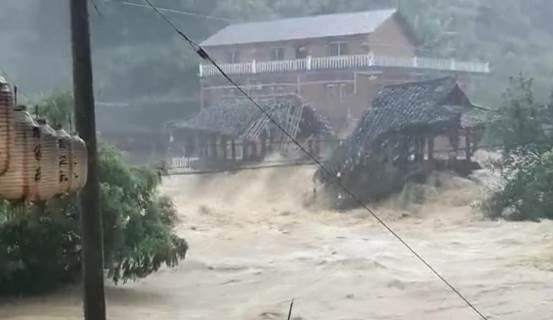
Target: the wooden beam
pixel 430 147
pixel 254 154
pixel 403 151
pixel 454 142
pixel 263 138
pixel 224 143
pixel 420 145
pixel 205 145
pixel 468 145
pixel 215 145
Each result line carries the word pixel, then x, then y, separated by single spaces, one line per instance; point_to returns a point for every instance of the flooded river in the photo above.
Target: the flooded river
pixel 254 247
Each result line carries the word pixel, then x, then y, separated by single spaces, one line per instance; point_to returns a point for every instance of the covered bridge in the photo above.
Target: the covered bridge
pixel 235 131
pixel 411 129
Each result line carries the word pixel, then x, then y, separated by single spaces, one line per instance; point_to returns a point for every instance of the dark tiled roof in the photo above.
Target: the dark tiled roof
pixel 228 118
pixel 322 26
pixel 406 105
pixel 233 117
pixel 399 108
pixel 414 94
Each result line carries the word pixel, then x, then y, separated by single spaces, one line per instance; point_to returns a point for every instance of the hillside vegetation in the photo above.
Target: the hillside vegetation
pixel 515 36
pixel 137 54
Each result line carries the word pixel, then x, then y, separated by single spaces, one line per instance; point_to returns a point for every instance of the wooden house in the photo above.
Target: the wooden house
pixel 411 129
pixel 336 62
pixel 235 132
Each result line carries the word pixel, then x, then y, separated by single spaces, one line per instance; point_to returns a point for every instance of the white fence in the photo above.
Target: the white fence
pixel 181 162
pixel 346 62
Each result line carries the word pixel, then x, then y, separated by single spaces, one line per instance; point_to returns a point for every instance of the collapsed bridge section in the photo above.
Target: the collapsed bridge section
pixel 410 130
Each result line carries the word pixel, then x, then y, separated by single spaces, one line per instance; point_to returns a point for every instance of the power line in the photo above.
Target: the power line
pixel 180 12
pixel 95 6
pixel 204 55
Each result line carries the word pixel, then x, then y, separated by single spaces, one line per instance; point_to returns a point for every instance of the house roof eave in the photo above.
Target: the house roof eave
pixel 310 27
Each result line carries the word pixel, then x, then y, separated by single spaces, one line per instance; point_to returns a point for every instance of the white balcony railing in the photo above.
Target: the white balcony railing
pixel 281 66
pixel 346 62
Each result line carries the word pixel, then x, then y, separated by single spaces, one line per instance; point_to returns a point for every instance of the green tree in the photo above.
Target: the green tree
pixel 57 108
pixel 524 130
pixel 40 243
pixel 523 125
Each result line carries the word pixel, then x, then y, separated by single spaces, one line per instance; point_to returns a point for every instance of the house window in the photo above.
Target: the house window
pixel 338 49
pixel 233 56
pixel 301 52
pixel 278 54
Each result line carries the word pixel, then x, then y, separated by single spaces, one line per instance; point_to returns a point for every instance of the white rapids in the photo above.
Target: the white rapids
pixel 254 246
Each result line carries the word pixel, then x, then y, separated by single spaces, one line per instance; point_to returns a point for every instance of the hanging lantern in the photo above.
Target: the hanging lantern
pixel 45 172
pixel 79 169
pixel 16 183
pixel 7 136
pixel 65 163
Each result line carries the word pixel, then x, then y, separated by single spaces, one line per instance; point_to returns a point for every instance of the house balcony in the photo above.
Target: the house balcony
pixel 348 62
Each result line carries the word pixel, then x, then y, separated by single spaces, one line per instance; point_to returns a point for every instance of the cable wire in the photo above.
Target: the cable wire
pixel 180 12
pixel 204 55
pixel 95 6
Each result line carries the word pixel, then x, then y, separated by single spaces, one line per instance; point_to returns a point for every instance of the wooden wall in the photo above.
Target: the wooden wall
pixel 339 95
pixel 391 39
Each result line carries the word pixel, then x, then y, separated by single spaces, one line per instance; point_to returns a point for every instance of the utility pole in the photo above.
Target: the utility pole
pixel 91 220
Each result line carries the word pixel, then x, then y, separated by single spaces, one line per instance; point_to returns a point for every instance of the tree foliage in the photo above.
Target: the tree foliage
pixel 524 131
pixel 40 243
pixel 524 124
pixel 138 223
pixel 57 108
pixel 528 190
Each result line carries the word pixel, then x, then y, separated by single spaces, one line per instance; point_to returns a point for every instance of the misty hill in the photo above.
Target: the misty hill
pixel 137 55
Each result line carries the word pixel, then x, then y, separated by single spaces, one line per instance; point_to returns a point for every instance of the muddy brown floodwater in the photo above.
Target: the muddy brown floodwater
pixel 254 246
